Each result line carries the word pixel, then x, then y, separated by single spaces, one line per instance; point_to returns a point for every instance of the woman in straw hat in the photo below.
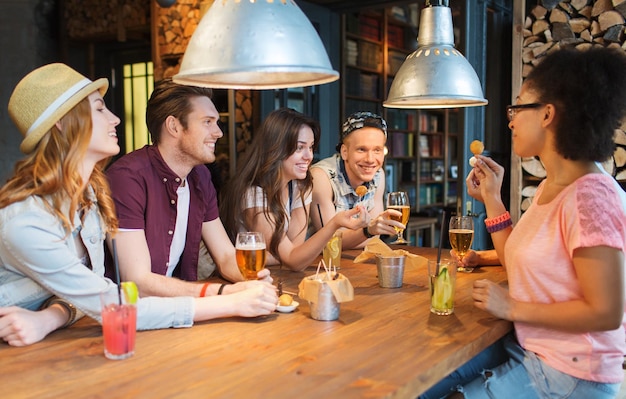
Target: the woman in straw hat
pixel 56 211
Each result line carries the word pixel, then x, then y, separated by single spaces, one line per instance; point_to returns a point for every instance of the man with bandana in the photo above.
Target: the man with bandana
pixel 358 162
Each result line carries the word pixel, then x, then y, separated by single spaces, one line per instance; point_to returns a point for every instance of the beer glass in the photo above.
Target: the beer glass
pixel 461 233
pixel 399 201
pixel 250 253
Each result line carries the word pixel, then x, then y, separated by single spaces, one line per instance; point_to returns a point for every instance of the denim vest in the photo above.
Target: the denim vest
pixel 344 196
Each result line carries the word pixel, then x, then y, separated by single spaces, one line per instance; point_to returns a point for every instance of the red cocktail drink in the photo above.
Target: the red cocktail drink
pixel 119 324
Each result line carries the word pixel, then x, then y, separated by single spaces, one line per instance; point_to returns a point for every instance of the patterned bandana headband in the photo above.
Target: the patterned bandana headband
pixel 359 120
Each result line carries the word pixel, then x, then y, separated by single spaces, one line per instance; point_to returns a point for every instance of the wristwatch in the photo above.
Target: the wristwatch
pixel 366 232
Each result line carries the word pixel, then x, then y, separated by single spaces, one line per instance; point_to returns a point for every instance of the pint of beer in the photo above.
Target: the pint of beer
pixel 250 253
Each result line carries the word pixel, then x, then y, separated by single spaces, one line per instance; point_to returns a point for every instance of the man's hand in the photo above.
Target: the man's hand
pixel 494 299
pixel 383 224
pixel 264 275
pixel 259 298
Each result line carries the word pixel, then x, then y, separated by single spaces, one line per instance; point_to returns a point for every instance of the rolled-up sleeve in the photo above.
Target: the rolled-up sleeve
pixel 33 244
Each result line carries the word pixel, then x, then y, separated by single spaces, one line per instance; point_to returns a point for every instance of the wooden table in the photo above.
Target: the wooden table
pixel 386 344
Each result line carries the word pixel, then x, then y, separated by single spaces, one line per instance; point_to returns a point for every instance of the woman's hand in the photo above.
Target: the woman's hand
pixel 355 218
pixel 485 180
pixel 493 298
pixel 21 327
pixel 469 260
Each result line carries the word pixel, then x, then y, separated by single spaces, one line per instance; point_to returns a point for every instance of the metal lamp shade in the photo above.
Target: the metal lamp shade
pixel 262 44
pixel 436 75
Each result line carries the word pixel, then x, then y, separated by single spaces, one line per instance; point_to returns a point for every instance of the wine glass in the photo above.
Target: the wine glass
pixel 399 201
pixel 461 234
pixel 250 253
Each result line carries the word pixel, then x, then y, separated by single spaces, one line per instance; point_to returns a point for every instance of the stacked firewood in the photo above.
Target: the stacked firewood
pixel 174 27
pixel 89 20
pixel 582 24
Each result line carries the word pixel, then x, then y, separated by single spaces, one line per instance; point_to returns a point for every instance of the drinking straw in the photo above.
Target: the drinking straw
pixel 117 273
pixel 318 269
pixel 319 210
pixel 119 291
pixel 443 220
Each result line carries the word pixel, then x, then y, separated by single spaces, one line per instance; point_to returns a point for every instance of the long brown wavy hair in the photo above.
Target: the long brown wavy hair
pixel 275 141
pixel 52 171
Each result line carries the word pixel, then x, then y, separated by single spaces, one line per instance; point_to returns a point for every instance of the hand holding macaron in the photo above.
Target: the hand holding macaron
pixel 476 147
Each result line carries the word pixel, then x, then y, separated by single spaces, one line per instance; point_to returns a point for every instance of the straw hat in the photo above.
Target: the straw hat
pixel 44 96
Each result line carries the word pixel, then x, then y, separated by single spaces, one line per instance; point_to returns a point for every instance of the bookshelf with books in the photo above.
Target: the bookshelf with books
pixel 421 144
pixel 437 163
pixel 425 158
pixel 363 62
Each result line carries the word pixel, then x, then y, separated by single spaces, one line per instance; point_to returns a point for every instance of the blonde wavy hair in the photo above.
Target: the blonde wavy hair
pixel 52 171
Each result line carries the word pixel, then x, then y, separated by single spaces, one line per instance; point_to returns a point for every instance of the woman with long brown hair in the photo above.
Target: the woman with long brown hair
pixel 272 191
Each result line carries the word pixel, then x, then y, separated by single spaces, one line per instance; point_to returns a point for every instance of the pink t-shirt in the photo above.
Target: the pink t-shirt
pixel 590 212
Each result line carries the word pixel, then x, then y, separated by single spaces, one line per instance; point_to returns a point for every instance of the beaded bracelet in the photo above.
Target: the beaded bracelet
pixel 499 222
pixel 71 309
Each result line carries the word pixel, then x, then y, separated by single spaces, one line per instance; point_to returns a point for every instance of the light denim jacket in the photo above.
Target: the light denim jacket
pixel 37 261
pixel 344 195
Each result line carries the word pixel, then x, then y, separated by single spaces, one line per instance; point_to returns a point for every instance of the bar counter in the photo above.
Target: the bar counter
pixel 385 344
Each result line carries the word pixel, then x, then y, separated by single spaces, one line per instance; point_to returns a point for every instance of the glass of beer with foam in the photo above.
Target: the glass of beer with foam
pixel 250 253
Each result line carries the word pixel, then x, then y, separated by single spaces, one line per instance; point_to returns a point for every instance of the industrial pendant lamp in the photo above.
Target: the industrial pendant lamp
pixel 255 44
pixel 436 75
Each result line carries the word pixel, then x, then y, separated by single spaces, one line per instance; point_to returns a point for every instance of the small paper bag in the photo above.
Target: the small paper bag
pixel 375 246
pixel 309 288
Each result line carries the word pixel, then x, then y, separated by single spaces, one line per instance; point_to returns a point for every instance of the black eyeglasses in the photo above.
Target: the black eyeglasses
pixel 511 110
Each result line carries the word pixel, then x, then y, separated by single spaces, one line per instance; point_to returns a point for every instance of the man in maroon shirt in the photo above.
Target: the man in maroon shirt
pixel 166 202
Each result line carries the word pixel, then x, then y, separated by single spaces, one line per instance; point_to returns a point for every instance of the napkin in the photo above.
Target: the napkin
pixel 375 246
pixel 310 287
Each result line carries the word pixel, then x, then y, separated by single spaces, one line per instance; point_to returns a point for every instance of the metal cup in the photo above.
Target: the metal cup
pixel 326 307
pixel 390 270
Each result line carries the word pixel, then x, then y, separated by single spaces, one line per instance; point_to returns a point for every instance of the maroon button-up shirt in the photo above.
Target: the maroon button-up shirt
pixel 144 191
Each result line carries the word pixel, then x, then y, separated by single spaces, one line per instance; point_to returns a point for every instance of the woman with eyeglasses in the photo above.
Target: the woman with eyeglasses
pixel 565 257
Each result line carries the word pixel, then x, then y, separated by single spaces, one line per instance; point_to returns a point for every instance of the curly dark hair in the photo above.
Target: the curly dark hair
pixel 274 141
pixel 588 90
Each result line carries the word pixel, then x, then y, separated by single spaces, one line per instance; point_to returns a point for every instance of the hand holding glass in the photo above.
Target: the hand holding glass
pixel 250 253
pixel 461 234
pixel 399 201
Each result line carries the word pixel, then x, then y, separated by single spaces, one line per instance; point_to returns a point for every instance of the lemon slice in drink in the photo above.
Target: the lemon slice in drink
pixel 443 290
pixel 131 293
pixel 333 247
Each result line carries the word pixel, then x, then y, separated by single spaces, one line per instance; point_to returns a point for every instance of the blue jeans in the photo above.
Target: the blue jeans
pixel 489 358
pixel 525 376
